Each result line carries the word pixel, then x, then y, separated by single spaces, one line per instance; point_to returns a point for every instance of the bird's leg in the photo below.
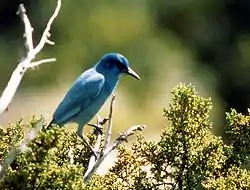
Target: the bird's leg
pixel 80 134
pixel 88 145
pixel 98 130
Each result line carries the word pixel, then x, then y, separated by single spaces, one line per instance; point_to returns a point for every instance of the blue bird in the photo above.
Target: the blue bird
pixel 91 90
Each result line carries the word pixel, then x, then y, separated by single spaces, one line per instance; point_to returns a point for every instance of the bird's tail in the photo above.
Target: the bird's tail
pixel 49 125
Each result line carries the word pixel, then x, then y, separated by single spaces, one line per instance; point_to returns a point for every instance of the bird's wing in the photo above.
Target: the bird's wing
pixel 80 96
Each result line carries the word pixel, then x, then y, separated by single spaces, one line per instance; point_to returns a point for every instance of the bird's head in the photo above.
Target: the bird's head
pixel 116 64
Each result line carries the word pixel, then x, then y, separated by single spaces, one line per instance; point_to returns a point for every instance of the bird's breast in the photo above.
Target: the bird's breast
pixel 87 114
pixel 110 86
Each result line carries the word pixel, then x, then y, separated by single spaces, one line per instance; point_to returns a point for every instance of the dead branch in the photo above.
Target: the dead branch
pixel 95 161
pixel 31 52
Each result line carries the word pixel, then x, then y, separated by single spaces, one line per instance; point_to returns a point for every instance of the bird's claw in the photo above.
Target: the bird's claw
pixel 98 128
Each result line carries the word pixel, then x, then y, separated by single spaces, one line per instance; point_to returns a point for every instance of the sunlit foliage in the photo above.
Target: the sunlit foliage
pixel 187 156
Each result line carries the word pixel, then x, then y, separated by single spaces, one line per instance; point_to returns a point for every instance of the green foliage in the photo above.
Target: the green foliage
pixel 10 138
pixel 235 178
pixel 47 166
pixel 187 156
pixel 238 131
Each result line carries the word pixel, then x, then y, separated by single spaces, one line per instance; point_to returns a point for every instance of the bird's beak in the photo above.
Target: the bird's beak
pixel 133 73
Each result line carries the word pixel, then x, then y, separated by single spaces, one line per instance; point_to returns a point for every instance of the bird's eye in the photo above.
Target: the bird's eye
pixel 120 66
pixel 108 64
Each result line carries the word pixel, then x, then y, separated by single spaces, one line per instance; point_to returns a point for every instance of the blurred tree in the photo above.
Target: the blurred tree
pixel 218 31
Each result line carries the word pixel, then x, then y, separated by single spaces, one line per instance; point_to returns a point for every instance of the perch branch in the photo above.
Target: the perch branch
pixel 109 129
pixel 22 147
pixel 93 158
pixel 31 52
pixel 95 162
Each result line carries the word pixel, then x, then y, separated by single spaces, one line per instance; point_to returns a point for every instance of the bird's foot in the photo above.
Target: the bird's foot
pixel 99 126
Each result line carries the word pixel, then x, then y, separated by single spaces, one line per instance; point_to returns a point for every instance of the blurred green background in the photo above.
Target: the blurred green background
pixel 167 41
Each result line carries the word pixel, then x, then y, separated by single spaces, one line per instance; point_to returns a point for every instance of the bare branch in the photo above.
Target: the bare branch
pixel 28 28
pixel 50 42
pixel 124 137
pixel 31 53
pixel 22 147
pixel 37 63
pixel 71 156
pixel 46 33
pixel 109 129
pixel 93 158
pixel 94 161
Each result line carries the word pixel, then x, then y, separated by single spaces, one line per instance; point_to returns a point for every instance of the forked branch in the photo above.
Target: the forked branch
pixel 95 161
pixel 31 52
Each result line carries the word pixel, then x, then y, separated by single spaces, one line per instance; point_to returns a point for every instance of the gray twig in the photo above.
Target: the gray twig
pixel 109 129
pixel 71 156
pixel 95 162
pixel 31 52
pixel 93 158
